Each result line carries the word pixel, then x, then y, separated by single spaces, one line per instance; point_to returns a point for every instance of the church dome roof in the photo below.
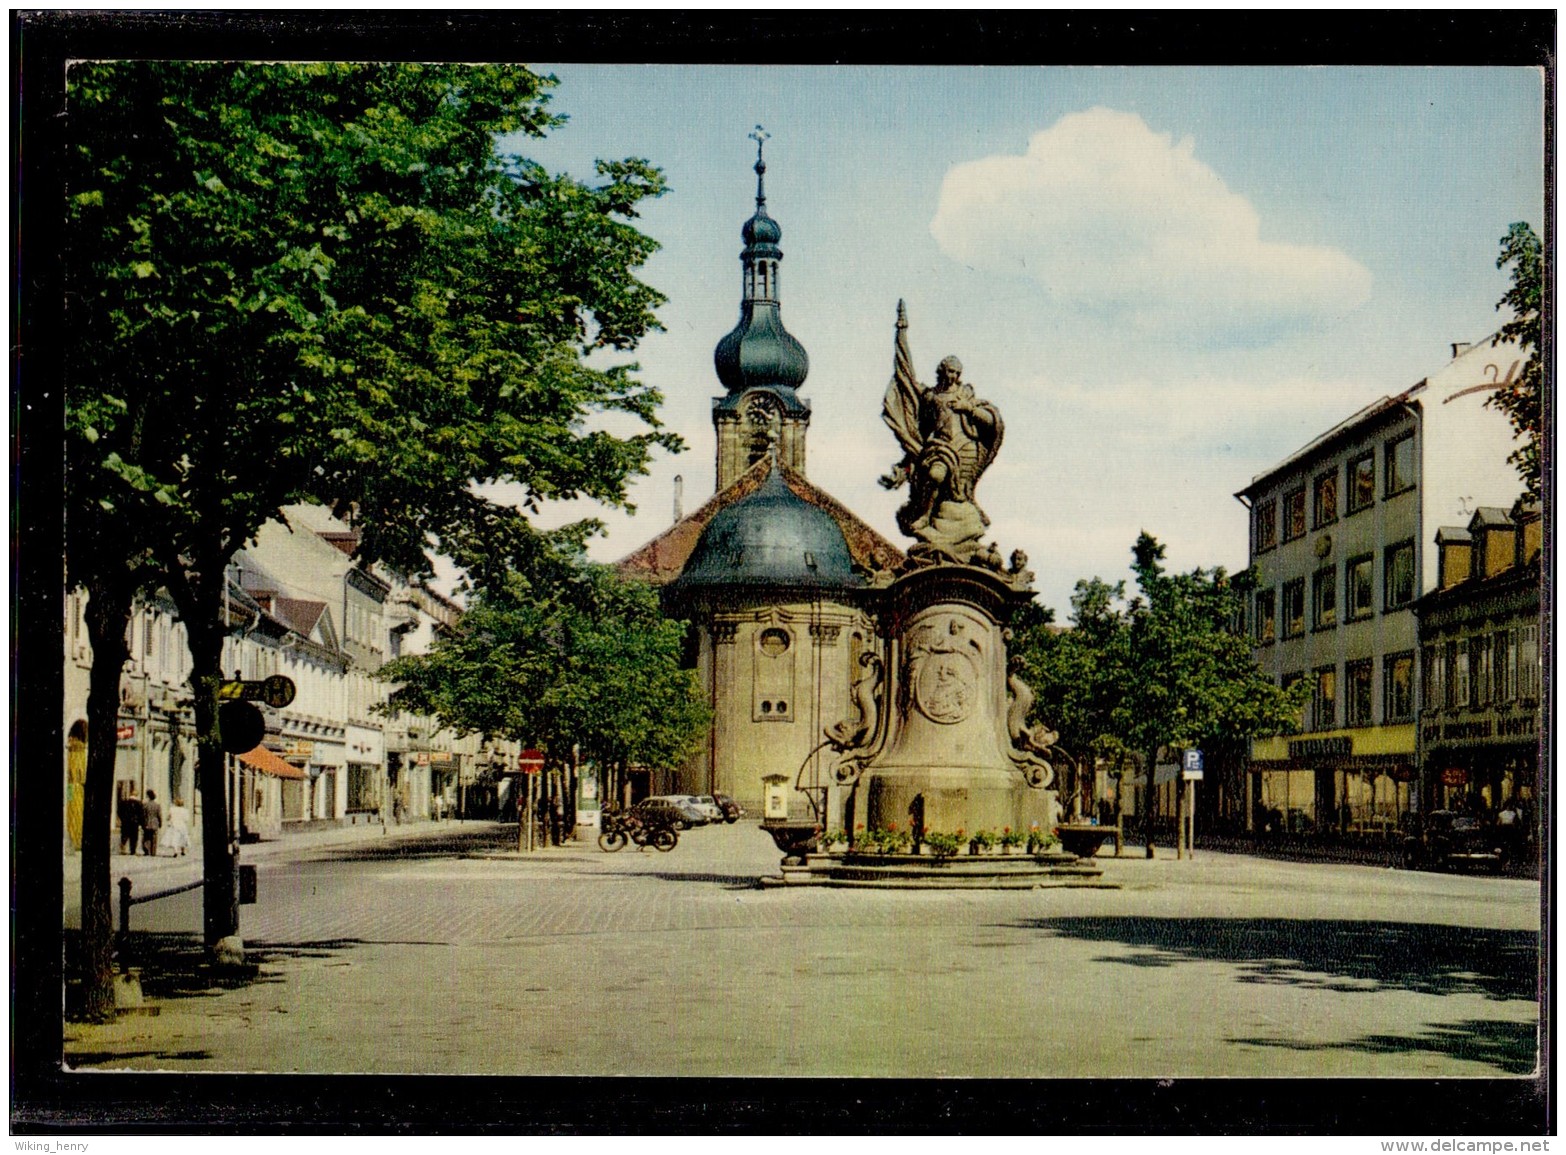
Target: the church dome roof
pixel 770 538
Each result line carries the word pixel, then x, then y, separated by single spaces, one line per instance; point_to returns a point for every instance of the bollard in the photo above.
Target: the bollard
pixel 125 907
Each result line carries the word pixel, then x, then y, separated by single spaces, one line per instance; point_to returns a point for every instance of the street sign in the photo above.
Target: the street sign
pixel 530 761
pixel 1191 767
pixel 276 691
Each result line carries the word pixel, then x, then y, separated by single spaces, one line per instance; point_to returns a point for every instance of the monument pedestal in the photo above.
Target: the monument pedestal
pixel 944 761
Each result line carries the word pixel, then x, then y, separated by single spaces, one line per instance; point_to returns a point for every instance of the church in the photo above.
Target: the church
pixel 773 574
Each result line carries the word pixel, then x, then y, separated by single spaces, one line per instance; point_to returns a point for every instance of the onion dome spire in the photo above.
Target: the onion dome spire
pixel 759 352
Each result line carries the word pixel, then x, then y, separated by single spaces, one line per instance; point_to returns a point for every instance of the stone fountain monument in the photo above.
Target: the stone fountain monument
pixel 940 740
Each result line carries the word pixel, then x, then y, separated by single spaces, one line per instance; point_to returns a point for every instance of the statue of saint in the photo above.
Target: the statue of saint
pixel 949 437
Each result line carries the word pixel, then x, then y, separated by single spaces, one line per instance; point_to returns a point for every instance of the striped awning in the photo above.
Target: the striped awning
pixel 269 763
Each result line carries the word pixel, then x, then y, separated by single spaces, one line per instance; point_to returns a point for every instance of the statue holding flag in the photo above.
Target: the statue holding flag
pixel 949 437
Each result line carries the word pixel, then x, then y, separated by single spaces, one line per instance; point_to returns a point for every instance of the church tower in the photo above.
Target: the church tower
pixel 759 362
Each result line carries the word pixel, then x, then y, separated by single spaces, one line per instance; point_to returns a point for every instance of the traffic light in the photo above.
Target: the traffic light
pixel 241 726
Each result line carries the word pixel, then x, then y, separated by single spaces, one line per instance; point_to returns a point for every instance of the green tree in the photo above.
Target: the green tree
pixel 584 660
pixel 1522 399
pixel 1077 673
pixel 1170 668
pixel 323 282
pixel 1191 678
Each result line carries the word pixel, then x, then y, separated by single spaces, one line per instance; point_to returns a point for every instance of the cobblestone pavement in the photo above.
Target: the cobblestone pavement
pixel 445 951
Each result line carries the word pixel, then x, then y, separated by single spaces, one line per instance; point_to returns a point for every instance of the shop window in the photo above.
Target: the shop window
pixel 1294 515
pixel 1294 608
pixel 1324 500
pixel 1324 599
pixel 1357 701
pixel 1397 691
pixel 363 789
pixel 1399 571
pixel 1266 517
pixel 1400 464
pixel 1362 483
pixel 1266 616
pixel 1359 580
pixel 1324 699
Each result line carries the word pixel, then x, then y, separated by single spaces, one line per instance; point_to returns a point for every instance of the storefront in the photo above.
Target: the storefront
pixel 1481 715
pixel 1355 785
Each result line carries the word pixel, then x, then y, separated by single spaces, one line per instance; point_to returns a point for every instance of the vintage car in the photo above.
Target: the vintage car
pixel 1449 840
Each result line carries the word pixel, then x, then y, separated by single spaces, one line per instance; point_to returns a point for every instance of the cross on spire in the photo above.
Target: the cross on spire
pixel 760 136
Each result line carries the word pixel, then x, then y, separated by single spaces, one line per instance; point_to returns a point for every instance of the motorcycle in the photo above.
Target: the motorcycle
pixel 620 829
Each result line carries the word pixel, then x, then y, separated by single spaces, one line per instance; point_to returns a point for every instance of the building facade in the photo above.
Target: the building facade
pixel 1337 540
pixel 1481 717
pixel 297 605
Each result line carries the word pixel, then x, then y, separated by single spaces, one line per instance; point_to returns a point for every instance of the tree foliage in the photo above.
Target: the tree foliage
pixel 1522 399
pixel 322 282
pixel 1171 667
pixel 583 659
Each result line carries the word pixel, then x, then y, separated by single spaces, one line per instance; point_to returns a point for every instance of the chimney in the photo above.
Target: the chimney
pixel 679 497
pixel 1460 347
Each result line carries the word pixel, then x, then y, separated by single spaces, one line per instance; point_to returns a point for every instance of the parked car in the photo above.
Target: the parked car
pixel 708 805
pixel 672 809
pixel 1448 840
pixel 732 810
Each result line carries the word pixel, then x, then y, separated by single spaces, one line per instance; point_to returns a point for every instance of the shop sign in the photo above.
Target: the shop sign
pixel 421 759
pixel 1454 776
pixel 1321 747
pixel 1518 727
pixel 125 733
pixel 304 750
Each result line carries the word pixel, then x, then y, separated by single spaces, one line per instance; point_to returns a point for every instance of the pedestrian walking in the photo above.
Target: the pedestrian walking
pixel 151 824
pixel 176 835
pixel 129 813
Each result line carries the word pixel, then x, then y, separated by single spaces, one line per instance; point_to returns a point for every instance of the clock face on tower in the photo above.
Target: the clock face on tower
pixel 761 424
pixel 761 408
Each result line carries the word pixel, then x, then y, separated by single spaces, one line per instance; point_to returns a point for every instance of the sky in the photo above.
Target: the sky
pixel 1166 279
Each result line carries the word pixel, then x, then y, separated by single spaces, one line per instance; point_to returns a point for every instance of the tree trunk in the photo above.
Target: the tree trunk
pixel 108 616
pixel 220 906
pixel 197 586
pixel 1150 795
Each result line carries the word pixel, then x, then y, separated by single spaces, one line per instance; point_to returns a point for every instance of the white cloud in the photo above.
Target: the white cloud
pixel 1114 219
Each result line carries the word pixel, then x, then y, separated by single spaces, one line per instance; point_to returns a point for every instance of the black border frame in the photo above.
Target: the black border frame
pixel 46 1102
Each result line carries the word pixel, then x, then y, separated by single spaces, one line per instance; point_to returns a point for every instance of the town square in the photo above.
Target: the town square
pixel 865 572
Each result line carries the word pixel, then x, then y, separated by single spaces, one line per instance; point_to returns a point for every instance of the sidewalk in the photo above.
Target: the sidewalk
pixel 163 871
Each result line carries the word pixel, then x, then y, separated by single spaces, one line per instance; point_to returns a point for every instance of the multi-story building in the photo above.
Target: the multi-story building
pixel 297 605
pixel 1481 692
pixel 1337 533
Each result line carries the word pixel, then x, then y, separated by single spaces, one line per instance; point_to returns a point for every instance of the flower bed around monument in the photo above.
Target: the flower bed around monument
pixel 890 844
